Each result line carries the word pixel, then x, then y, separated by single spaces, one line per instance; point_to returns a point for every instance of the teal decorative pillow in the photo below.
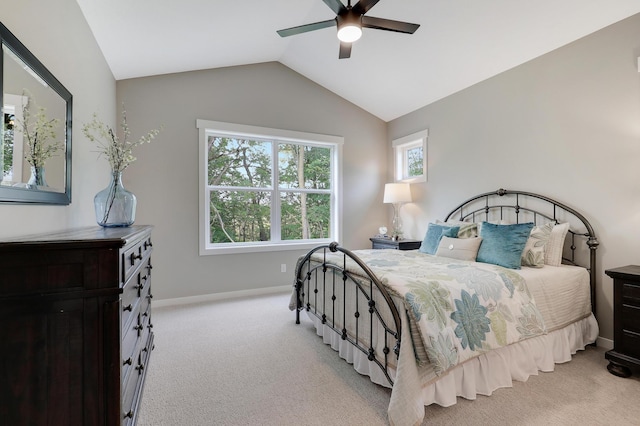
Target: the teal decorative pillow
pixel 503 244
pixel 434 234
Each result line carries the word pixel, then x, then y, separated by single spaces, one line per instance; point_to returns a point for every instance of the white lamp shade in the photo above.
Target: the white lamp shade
pixel 397 193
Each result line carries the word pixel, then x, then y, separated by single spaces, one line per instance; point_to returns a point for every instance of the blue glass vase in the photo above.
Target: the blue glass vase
pixel 115 206
pixel 37 178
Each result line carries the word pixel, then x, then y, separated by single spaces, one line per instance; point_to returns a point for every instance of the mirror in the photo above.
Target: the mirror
pixel 35 142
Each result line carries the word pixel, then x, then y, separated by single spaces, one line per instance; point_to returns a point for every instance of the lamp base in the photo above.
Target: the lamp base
pixel 396 232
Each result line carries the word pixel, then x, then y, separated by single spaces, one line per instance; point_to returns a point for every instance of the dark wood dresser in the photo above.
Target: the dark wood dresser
pixel 75 326
pixel 624 358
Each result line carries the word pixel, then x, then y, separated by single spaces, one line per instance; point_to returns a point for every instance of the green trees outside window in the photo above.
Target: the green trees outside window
pixel 415 161
pixel 6 153
pixel 266 190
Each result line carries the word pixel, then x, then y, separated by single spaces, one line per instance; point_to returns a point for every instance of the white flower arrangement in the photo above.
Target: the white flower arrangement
pixel 40 136
pixel 118 150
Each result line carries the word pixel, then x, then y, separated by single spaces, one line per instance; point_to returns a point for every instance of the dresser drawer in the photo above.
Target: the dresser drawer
pixel 133 381
pixel 133 292
pixel 131 334
pixel 130 301
pixel 135 256
pixel 129 391
pixel 145 305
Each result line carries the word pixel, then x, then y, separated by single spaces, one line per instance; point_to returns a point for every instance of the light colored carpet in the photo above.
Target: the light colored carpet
pixel 246 362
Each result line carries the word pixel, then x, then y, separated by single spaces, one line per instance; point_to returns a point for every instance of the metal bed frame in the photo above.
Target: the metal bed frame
pixel 316 283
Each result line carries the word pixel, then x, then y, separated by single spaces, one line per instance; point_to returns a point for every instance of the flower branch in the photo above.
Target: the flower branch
pixel 40 136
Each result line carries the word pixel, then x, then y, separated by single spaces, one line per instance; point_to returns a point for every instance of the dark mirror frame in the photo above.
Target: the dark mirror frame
pixel 12 195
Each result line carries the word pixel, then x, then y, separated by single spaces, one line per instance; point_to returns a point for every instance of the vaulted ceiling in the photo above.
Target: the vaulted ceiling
pixel 459 42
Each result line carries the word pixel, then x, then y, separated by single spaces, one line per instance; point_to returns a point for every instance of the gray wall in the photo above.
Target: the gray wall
pixel 165 176
pixel 58 35
pixel 566 125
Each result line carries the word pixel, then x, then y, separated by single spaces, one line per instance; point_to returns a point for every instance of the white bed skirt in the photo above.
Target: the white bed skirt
pixel 416 387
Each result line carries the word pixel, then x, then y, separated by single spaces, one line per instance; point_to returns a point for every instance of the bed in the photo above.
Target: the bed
pixel 458 318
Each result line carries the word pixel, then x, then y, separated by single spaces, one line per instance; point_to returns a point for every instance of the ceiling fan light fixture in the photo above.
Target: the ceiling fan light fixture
pixel 349 32
pixel 349 22
pixel 349 26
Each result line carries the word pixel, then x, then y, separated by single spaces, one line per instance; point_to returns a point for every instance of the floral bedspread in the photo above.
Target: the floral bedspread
pixel 461 309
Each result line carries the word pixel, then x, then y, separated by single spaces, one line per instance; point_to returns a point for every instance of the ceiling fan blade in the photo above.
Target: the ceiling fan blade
pixel 345 50
pixel 335 5
pixel 363 6
pixel 389 25
pixel 306 28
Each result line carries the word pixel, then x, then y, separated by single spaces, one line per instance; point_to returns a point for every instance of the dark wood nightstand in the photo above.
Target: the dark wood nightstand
pixel 388 243
pixel 624 358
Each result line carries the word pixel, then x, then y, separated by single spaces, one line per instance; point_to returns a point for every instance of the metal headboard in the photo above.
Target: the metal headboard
pixel 520 206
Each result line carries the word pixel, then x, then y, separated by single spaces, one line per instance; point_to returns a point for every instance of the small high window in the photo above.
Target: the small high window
pixel 410 154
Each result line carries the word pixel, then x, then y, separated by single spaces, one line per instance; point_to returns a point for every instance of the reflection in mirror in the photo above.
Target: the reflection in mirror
pixel 35 154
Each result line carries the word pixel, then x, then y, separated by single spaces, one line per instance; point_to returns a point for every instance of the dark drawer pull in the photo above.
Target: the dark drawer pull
pixel 129 307
pixel 148 244
pixel 128 361
pixel 150 296
pixel 138 327
pixel 140 286
pixel 134 257
pixel 129 414
pixel 140 368
pixel 150 326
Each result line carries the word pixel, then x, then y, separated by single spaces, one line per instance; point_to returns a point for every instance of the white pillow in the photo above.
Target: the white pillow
pixel 459 248
pixel 535 249
pixel 553 250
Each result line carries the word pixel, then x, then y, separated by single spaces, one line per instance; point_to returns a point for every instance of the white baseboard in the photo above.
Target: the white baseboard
pixel 220 296
pixel 607 344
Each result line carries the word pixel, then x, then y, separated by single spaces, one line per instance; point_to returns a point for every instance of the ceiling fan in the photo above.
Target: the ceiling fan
pixel 350 21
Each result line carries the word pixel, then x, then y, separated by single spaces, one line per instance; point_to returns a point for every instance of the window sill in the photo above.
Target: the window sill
pixel 260 247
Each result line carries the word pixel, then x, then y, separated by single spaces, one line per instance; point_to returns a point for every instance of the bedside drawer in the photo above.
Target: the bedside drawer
pixel 630 344
pixel 631 318
pixel 387 243
pixel 377 245
pixel 631 293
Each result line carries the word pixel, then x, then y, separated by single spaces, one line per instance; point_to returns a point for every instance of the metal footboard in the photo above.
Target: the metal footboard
pixel 321 284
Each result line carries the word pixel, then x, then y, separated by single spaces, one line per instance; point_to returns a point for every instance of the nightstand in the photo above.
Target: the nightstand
pixel 624 358
pixel 388 243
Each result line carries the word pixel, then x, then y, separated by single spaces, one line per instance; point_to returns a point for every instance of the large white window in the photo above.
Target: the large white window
pixel 266 189
pixel 410 154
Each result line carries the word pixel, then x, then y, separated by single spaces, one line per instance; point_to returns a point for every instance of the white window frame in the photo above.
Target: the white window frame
pixel 401 147
pixel 206 127
pixel 13 104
